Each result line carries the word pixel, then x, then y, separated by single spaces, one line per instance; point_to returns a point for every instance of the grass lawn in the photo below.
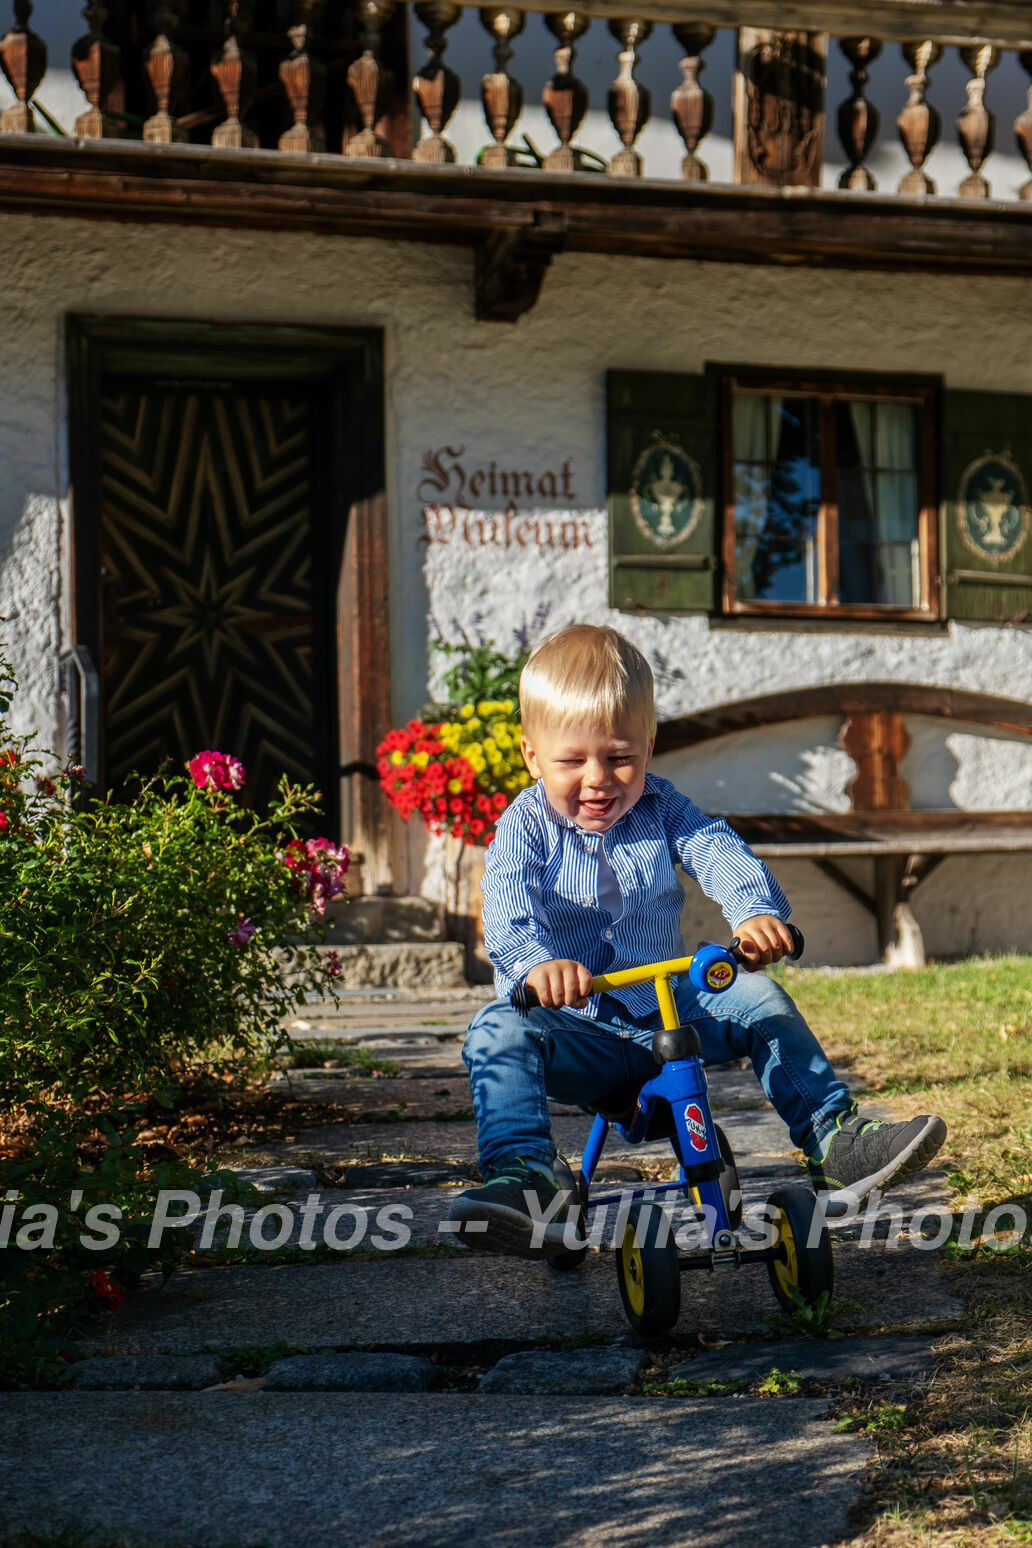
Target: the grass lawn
pixel 954 1039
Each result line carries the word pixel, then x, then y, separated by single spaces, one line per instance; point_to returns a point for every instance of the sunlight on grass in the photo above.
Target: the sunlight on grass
pixel 954 1039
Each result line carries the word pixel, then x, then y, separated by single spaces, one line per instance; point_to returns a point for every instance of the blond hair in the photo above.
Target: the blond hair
pixel 587 674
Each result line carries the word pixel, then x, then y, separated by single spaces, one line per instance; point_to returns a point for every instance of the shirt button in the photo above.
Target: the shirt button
pixel 609 935
pixel 587 900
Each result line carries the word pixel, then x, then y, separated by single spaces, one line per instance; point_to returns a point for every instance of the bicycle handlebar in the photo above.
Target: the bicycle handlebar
pixel 524 997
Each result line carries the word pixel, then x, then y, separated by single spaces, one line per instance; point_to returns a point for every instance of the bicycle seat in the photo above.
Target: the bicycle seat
pixel 675 1043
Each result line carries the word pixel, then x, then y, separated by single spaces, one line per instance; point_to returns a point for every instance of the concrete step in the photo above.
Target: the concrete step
pixel 434 1469
pixel 373 921
pixel 413 965
pixel 458 1302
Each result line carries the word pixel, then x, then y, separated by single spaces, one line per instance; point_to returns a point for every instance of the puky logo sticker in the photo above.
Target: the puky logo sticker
pixel 666 493
pixel 696 1125
pixel 719 975
pixel 993 514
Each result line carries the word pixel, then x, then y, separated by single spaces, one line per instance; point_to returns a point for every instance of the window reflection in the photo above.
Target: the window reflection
pixel 777 497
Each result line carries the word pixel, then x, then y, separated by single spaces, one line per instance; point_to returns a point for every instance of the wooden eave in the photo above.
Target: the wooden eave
pixel 957 22
pixel 517 219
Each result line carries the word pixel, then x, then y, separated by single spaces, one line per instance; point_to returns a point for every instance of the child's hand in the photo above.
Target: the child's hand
pixel 763 940
pixel 562 982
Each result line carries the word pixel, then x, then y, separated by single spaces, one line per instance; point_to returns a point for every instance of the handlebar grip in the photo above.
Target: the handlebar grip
pixel 524 998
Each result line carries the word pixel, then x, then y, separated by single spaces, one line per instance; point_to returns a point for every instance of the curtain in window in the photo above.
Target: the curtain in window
pixel 885 439
pixel 752 481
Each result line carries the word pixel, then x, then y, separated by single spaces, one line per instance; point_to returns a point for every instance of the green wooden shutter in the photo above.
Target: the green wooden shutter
pixel 661 480
pixel 987 506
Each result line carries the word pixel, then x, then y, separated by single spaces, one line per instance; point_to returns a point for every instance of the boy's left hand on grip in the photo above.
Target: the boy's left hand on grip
pixel 763 940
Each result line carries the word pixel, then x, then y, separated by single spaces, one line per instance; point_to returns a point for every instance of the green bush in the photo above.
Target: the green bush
pixel 139 941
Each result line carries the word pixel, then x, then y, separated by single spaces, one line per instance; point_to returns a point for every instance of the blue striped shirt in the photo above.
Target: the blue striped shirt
pixel 541 886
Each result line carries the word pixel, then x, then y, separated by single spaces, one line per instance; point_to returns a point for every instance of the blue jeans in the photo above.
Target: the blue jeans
pixel 518 1059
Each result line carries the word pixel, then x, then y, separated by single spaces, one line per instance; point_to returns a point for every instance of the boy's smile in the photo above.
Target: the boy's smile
pixel 591 775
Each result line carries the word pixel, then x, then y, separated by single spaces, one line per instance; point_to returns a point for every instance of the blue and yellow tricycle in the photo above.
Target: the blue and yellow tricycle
pixel 797 1246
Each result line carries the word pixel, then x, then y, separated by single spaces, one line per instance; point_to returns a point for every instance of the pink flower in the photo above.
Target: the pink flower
pixel 211 770
pixel 319 866
pixel 4 822
pixel 76 771
pixel 332 964
pixel 241 932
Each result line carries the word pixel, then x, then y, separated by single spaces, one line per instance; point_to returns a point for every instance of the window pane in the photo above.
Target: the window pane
pixel 877 488
pixel 777 495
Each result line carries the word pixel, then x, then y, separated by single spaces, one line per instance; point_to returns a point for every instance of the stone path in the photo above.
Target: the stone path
pixel 409 1391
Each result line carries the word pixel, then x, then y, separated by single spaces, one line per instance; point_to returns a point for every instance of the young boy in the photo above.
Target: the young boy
pixel 580 880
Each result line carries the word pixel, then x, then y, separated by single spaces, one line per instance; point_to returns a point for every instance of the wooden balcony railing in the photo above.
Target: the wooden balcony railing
pixel 337 84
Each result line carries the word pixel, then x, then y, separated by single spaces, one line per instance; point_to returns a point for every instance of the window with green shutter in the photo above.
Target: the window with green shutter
pixel 986 514
pixel 788 496
pixel 662 460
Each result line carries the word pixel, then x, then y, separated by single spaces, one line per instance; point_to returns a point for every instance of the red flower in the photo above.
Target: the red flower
pixel 216 771
pixel 5 822
pixel 101 1285
pixel 332 964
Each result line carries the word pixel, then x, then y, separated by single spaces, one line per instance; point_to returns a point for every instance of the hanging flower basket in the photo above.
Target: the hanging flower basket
pixel 458 774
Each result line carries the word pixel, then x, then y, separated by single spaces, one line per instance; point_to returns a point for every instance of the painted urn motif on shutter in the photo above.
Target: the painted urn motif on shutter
pixel 992 508
pixel 666 493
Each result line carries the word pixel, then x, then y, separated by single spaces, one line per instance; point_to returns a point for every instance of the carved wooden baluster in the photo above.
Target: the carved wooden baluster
pixel 303 75
pixel 976 126
pixel 436 87
pixel 1023 127
pixel 23 59
pixel 236 76
pixel 565 97
pixel 691 104
pixel 97 63
pixel 858 119
pixel 368 79
pixel 501 95
pixel 919 124
pixel 167 69
pixel 630 103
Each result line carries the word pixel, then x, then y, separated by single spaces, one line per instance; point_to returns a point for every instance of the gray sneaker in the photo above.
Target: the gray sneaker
pixel 862 1154
pixel 507 1213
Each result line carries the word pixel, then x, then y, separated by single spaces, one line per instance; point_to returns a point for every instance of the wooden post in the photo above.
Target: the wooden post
pixel 779 107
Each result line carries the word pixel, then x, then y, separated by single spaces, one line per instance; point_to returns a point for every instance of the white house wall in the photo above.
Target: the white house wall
pixel 529 399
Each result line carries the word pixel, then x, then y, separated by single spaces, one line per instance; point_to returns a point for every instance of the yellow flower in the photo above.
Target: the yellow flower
pixel 466 711
pixel 397 757
pixel 421 759
pixel 455 787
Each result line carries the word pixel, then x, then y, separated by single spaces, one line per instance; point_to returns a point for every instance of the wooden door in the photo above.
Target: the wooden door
pixel 213 566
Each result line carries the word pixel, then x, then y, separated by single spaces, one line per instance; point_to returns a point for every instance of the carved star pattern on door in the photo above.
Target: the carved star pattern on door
pixel 207 570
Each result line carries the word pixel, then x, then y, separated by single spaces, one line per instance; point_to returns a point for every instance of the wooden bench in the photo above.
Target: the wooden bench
pixel 905 845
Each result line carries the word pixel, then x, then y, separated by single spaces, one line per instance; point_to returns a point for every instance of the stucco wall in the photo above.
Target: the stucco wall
pixel 528 399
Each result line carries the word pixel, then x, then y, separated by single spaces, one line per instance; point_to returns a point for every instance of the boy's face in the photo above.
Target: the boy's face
pixel 590 775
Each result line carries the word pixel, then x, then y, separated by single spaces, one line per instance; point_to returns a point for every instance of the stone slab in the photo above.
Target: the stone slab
pixel 147 1372
pixel 351 1373
pixel 408 1099
pixel 380 921
pixel 566 1372
pixel 889 1358
pixel 408 1302
pixel 440 965
pixel 275 1179
pixel 754 1133
pixel 317 1470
